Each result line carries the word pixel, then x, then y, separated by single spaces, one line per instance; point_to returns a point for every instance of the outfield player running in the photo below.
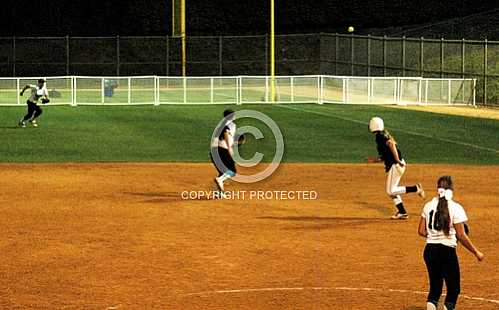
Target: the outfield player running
pixel 394 166
pixel 34 111
pixel 223 146
pixel 443 224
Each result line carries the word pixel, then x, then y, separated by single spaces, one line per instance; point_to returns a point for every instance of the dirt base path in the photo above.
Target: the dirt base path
pixel 121 236
pixel 470 111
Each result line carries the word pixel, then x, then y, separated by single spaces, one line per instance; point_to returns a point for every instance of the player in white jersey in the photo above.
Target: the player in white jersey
pixel 34 111
pixel 395 166
pixel 222 145
pixel 443 224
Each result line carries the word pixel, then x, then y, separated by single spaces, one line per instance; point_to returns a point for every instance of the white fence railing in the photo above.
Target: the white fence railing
pixel 136 90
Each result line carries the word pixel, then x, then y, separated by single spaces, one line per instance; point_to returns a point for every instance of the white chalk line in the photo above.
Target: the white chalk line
pixel 320 288
pixel 483 148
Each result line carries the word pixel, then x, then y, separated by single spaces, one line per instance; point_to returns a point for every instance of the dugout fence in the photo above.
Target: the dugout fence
pixel 319 89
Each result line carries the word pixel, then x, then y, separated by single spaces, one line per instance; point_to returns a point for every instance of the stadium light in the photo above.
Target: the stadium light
pixel 179 29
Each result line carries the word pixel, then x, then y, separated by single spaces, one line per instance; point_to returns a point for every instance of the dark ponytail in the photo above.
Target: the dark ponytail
pixel 442 217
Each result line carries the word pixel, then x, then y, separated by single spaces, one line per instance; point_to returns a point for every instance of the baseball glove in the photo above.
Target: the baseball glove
pixel 45 100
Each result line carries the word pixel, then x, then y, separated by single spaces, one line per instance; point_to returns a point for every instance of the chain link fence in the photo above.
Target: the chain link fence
pixel 300 54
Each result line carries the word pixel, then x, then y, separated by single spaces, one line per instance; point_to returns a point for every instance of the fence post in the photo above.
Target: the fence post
pixel 336 52
pixel 474 92
pixel 449 92
pixel 156 90
pixel 14 56
pixel 129 90
pixel 426 92
pixel 463 50
pixel 403 56
pixel 321 71
pixel 167 56
pixel 352 54
pixel 319 90
pixel 102 90
pixel 485 61
pixel 220 56
pixel 184 83
pixel 267 39
pixel 345 90
pixel 421 55
pixel 267 89
pixel 211 90
pixel 73 91
pixel 17 91
pixel 239 94
pixel 369 90
pixel 118 55
pixel 384 55
pixel 67 55
pixel 441 57
pixel 420 89
pixel 368 55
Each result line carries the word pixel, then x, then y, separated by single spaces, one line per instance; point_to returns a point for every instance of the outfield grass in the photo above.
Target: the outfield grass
pixel 312 133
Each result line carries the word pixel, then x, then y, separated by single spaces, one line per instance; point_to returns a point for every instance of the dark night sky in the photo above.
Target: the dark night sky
pixel 222 17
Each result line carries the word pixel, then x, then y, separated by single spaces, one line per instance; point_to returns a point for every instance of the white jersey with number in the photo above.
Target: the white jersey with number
pixel 37 92
pixel 457 215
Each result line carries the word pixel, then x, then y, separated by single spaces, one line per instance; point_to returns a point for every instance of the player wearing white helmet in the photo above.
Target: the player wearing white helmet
pixel 395 166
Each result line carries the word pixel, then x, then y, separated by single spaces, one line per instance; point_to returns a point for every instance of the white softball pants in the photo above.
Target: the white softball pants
pixel 392 183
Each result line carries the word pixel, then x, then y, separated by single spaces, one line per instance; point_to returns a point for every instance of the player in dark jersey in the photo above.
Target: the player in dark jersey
pixel 394 166
pixel 222 145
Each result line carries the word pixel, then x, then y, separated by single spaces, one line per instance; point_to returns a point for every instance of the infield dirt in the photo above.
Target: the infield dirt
pixel 121 236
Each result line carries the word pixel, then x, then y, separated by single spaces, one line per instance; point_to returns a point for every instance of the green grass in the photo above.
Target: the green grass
pixel 312 133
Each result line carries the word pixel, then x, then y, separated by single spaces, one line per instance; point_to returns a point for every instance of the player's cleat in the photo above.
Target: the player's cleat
pixel 400 216
pixel 34 123
pixel 220 184
pixel 22 124
pixel 431 306
pixel 449 306
pixel 420 191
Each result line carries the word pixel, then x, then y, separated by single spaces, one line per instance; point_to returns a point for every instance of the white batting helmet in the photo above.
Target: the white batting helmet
pixel 376 124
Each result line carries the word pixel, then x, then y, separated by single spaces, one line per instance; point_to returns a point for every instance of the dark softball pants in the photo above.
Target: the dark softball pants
pixel 33 111
pixel 225 158
pixel 443 265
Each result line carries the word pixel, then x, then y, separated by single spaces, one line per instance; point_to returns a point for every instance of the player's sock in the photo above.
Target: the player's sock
pixel 400 208
pixel 227 175
pixel 411 189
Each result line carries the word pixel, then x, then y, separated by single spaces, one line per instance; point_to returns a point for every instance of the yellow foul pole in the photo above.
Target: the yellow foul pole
pixel 272 52
pixel 183 35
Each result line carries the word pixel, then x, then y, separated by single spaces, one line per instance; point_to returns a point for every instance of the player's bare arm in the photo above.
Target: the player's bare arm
pixel 422 227
pixel 24 89
pixel 466 241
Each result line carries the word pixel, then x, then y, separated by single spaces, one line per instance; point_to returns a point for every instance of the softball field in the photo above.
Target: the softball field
pixel 123 236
